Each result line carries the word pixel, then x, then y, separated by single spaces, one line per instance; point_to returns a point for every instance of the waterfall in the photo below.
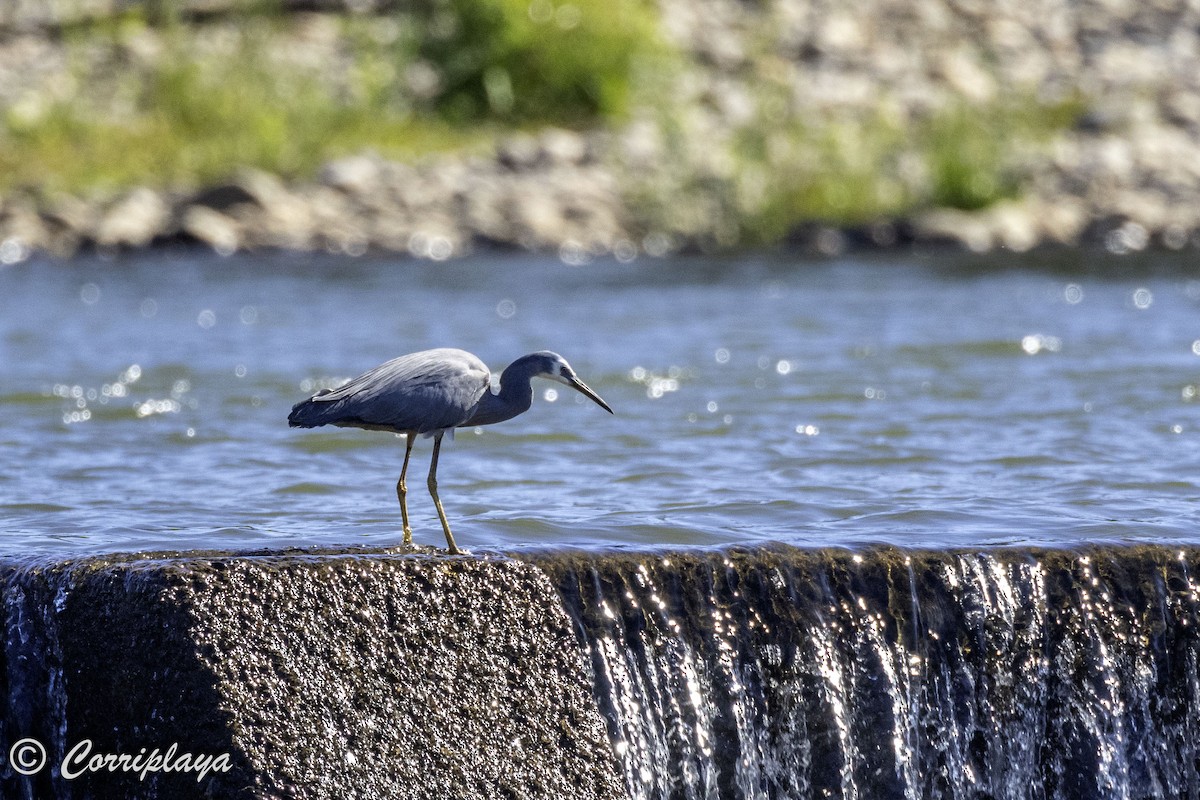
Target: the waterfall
pixel 33 677
pixel 785 673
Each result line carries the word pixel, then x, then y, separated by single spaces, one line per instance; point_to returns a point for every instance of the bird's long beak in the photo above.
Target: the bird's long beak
pixel 586 391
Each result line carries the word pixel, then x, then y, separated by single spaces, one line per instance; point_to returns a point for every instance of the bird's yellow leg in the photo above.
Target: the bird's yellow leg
pixel 402 488
pixel 450 545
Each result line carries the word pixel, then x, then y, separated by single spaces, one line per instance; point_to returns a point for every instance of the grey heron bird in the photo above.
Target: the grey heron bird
pixel 430 393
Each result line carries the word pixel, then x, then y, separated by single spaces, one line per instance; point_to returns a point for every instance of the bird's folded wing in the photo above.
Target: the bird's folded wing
pixel 427 391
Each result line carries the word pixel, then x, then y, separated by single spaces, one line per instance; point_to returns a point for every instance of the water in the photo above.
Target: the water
pixel 919 401
pixel 780 673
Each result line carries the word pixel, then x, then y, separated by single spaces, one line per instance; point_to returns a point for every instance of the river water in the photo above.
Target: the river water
pixel 918 400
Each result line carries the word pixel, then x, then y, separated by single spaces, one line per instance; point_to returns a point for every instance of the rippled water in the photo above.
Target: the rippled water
pixel 932 401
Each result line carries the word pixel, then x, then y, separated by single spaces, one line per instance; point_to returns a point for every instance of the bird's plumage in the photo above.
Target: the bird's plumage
pixel 432 392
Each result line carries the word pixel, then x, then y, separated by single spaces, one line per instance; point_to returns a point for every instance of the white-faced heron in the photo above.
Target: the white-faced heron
pixel 429 393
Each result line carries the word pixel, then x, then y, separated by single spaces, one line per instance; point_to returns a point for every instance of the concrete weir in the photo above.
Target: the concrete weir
pixel 747 672
pixel 320 675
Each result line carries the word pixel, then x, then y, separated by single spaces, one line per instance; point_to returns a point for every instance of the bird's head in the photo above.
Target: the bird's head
pixel 555 367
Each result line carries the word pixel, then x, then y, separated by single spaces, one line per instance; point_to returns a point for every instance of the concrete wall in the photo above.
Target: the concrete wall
pixel 330 676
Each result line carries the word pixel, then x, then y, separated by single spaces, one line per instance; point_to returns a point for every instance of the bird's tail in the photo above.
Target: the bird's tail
pixel 313 413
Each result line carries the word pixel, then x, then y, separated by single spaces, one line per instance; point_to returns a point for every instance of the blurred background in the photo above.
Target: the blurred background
pixel 594 127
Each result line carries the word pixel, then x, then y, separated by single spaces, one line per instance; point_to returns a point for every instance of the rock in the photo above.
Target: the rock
pixel 134 220
pixel 266 188
pixel 279 216
pixel 1013 226
pixel 1149 207
pixel 1062 219
pixel 358 175
pixel 487 208
pixel 69 213
pixel 951 226
pixel 841 32
pixel 963 72
pixel 21 230
pixel 211 227
pixel 68 223
pixel 518 152
pixel 563 148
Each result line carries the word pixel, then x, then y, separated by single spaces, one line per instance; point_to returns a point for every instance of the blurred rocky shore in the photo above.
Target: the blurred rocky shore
pixel 1123 173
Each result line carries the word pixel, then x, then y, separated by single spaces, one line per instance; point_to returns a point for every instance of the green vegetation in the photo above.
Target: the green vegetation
pixel 851 170
pixel 194 125
pixel 540 61
pixel 970 149
pixel 206 102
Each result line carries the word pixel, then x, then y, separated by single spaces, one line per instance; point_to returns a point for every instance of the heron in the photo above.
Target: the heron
pixel 431 393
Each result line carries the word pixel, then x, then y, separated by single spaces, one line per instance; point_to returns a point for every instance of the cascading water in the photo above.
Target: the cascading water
pixel 785 673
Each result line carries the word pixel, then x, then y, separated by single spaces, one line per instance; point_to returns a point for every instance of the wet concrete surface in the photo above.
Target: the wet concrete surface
pixel 339 675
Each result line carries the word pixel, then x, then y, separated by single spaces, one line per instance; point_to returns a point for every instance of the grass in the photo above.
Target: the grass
pixel 970 149
pixel 536 61
pixel 196 113
pixel 195 128
pixel 197 120
pixel 852 171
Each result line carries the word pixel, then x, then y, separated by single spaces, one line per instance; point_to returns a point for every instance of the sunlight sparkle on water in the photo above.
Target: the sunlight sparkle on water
pixel 657 385
pixel 1036 343
pixel 13 251
pixel 152 407
pixel 78 397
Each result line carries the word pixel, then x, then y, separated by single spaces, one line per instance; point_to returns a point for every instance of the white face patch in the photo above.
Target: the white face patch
pixel 562 373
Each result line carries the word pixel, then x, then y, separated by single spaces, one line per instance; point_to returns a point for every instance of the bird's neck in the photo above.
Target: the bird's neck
pixel 515 397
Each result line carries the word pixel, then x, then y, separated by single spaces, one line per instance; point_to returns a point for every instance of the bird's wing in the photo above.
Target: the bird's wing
pixel 427 391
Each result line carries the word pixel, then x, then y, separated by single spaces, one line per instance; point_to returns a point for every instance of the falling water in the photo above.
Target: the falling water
pixel 785 673
pixel 33 680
